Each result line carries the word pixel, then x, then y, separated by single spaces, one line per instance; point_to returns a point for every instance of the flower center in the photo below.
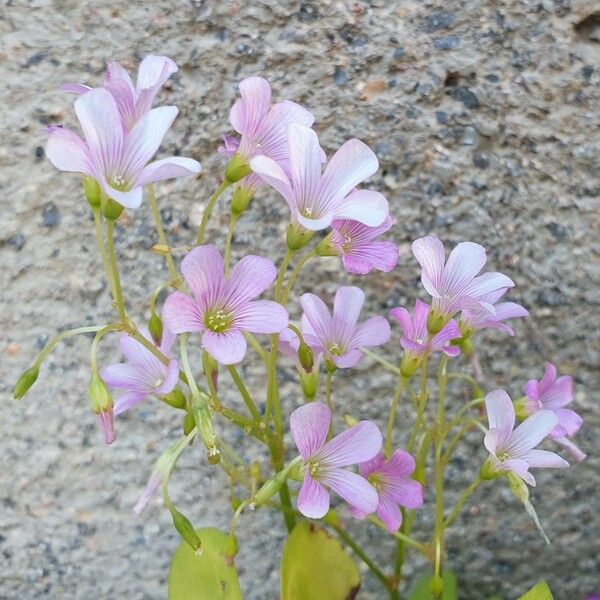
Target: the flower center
pixel 314 469
pixel 119 183
pixel 307 212
pixel 158 383
pixel 375 480
pixel 218 320
pixel 502 456
pixel 346 246
pixel 336 350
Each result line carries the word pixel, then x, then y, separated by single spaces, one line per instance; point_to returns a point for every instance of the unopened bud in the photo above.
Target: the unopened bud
pixel 465 344
pixel 204 423
pixel 155 326
pixel 298 237
pixel 488 469
pixel 112 209
pixel 330 366
pixel 326 248
pixel 255 470
pixel 237 168
pixel 436 322
pixel 309 382
pixel 240 200
pixel 436 586
pixel 175 398
pixel 102 405
pixel 92 192
pixel 24 383
pixel 211 369
pixel 230 548
pixel 186 531
pixel 306 357
pixel 520 405
pixel 188 423
pixel 409 364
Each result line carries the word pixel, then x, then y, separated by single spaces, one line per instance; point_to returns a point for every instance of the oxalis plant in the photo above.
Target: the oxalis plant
pixel 380 478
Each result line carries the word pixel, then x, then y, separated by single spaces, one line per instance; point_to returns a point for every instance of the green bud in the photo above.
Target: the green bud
pixel 488 470
pixel 330 366
pixel 186 530
pixel 436 322
pixel 175 398
pixel 306 357
pixel 25 381
pixel 326 248
pixel 350 420
pixel 92 192
pixel 520 405
pixel 237 168
pixel 298 237
pixel 188 423
pixel 112 210
pixel 465 344
pixel 518 487
pixel 99 395
pixel 270 487
pixel 436 586
pixel 204 423
pixel 409 364
pixel 332 518
pixel 230 548
pixel 155 326
pixel 255 470
pixel 420 474
pixel 296 472
pixel 309 382
pixel 240 200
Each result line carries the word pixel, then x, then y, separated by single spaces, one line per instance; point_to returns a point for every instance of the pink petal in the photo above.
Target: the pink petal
pixel 510 310
pixel 573 450
pixel 228 348
pixel 545 459
pixel 313 223
pixel 127 401
pixel 361 260
pixel 101 123
pixel 203 271
pixel 270 172
pixel 170 380
pixel 249 278
pixel 373 332
pixel 568 421
pixel 125 376
pixel 355 445
pixel 181 314
pixel 305 160
pixel 519 467
pixel 464 262
pixel 365 206
pixel 262 316
pixel 530 433
pixel 500 411
pixel 131 199
pixel 74 88
pixel 430 254
pixel 389 512
pixel 403 317
pixel 348 360
pixel 313 498
pixel 119 84
pixel 248 112
pixel 401 463
pixel 350 165
pixel 450 331
pixel 482 285
pixel 168 168
pixel 309 425
pixel 317 315
pixel 154 71
pixel 406 492
pixel 347 304
pixel 492 440
pixel 353 488
pixel 67 151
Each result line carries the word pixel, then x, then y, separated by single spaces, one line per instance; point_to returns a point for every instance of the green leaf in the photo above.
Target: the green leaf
pixel 541 591
pixel 208 576
pixel 421 589
pixel 314 565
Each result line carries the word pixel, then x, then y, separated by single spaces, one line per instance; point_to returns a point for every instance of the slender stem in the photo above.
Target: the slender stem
pixel 392 415
pixel 112 257
pixel 461 501
pixel 401 536
pixel 162 238
pixel 458 418
pixel 244 392
pixel 256 345
pixel 209 208
pixel 233 219
pixel 63 336
pixel 363 556
pixel 384 363
pixel 281 274
pixel 328 382
pixel 455 440
pixel 99 335
pixel 294 275
pixel 422 404
pixel 102 248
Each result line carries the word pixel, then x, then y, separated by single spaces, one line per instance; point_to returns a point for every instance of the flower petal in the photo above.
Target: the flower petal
pixel 309 425
pixel 355 445
pixel 382 256
pixel 270 172
pixel 127 401
pixel 313 498
pixel 305 160
pixel 430 254
pixel 486 283
pixel 347 360
pixel 545 459
pixel 203 271
pixel 530 433
pixel 170 379
pixel 500 411
pixel 365 206
pixel 373 332
pixel 67 151
pixel 353 488
pixel 573 450
pixel 318 316
pixel 389 512
pixel 464 262
pixel 248 112
pixel 228 348
pixel 347 304
pixel 125 376
pixel 249 278
pixel 154 71
pixel 168 168
pixel 569 422
pixel 406 492
pixel 262 316
pixel 74 88
pixel 519 467
pixel 181 314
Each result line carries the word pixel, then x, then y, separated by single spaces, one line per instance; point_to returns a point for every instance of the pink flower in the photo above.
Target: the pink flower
pixel 476 317
pixel 221 307
pixel 554 393
pixel 340 337
pixel 289 345
pixel 415 335
pixel 262 125
pixel 315 200
pixel 143 374
pixel 391 479
pixel 454 284
pixel 117 160
pixel 133 101
pixel 513 450
pixel 324 461
pixel 359 248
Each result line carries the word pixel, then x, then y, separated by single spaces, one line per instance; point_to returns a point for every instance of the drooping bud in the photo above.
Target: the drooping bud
pixel 102 405
pixel 211 369
pixel 237 168
pixel 521 492
pixel 92 192
pixel 112 210
pixel 298 237
pixel 240 200
pixel 25 381
pixel 186 530
pixel 155 326
pixel 204 424
pixel 309 382
pixel 306 356
pixel 176 398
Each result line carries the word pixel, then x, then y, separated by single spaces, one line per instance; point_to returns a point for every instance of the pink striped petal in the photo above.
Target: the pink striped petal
pixel 248 112
pixel 573 450
pixel 309 425
pixel 74 88
pixel 500 411
pixel 530 433
pixel 365 206
pixel 67 151
pixel 569 422
pixel 249 278
pixel 317 315
pixel 181 314
pixel 357 444
pixel 313 498
pixel 347 304
pixel 262 316
pixel 382 256
pixel 168 168
pixel 545 459
pixel 127 401
pixel 154 71
pixel 353 488
pixel 519 467
pixel 486 283
pixel 305 161
pixel 118 82
pixel 270 172
pixel 430 254
pixel 389 512
pixel 463 264
pixel 348 360
pixel 228 348
pixel 373 332
pixel 203 271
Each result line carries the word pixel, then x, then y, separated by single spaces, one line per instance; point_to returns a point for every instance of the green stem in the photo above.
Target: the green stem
pixel 421 408
pixel 244 392
pixel 63 336
pixel 256 345
pixel 101 246
pixel 208 211
pixel 99 335
pixel 392 416
pixel 112 257
pixel 294 275
pixel 233 219
pixel 162 238
pixel 328 382
pixel 402 536
pixel 461 501
pixel 384 363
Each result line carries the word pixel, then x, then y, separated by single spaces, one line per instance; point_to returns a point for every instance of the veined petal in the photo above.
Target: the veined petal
pixel 67 151
pixel 309 425
pixel 305 160
pixel 430 254
pixel 170 380
pixel 464 262
pixel 365 206
pixel 406 492
pixel 181 314
pixel 509 310
pixel 546 459
pixel 373 332
pixel 127 400
pixel 380 255
pixel 154 71
pixel 126 377
pixel 74 88
pixel 248 279
pixel 137 354
pixel 519 467
pixel 357 444
pixel 568 420
pixel 131 199
pixel 313 498
pixel 313 224
pixel 347 304
pixel 203 271
pixel 500 411
pixel 353 488
pixel 248 112
pixel 119 84
pixel 318 316
pixel 449 332
pixel 403 317
pixel 530 433
pixel 347 360
pixel 488 282
pixel 262 316
pixel 228 348
pixel 270 172
pixel 389 512
pixel 168 168
pixel 574 450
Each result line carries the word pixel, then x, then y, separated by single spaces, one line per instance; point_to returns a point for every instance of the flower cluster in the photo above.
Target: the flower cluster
pixel 222 307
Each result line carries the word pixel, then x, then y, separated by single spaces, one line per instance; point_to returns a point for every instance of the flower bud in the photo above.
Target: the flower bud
pixel 186 530
pixel 155 326
pixel 230 548
pixel 175 398
pixel 298 237
pixel 436 586
pixel 330 366
pixel 350 420
pixel 188 423
pixel 240 200
pixel 270 487
pixel 306 357
pixel 237 168
pixel 435 322
pixel 520 405
pixel 309 382
pixel 112 210
pixel 204 423
pixel 92 192
pixel 465 344
pixel 255 470
pixel 409 364
pixel 25 381
pixel 326 248
pixel 488 469
pixel 102 405
pixel 211 369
